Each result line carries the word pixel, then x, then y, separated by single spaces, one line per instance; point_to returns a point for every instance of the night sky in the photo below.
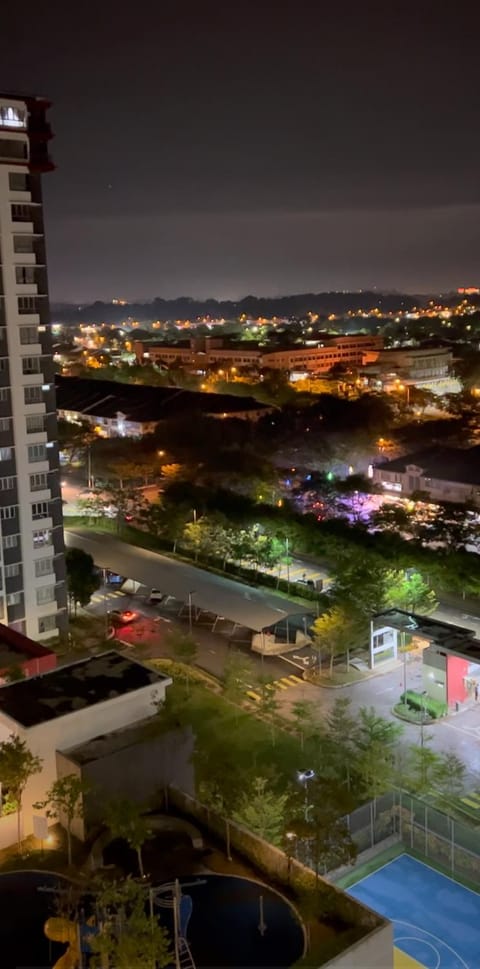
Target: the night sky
pixel 225 148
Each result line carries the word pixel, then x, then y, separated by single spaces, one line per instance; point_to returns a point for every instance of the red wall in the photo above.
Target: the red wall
pixel 457 669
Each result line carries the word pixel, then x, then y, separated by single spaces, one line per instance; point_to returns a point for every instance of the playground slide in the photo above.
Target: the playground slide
pixel 62 930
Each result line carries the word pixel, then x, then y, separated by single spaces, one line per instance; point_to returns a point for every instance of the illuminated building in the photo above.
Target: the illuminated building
pixel 33 592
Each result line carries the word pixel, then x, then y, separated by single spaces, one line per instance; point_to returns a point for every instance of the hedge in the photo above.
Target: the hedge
pixel 417 701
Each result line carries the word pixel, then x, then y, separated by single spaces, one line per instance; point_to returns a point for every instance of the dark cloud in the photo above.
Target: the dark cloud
pixel 225 148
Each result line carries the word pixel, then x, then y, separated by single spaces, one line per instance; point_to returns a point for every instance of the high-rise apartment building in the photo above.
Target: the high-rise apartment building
pixel 32 565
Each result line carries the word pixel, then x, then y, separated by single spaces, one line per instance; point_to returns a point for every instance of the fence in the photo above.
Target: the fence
pixel 424 829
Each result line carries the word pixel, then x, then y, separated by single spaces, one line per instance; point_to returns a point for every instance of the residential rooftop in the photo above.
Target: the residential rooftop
pixel 442 463
pixel 106 398
pixel 76 687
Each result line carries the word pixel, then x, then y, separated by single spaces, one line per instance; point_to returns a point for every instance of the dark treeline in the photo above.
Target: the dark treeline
pixel 283 306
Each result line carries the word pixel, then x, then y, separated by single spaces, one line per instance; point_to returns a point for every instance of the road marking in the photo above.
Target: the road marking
pixel 296 679
pixel 254 696
pixel 277 685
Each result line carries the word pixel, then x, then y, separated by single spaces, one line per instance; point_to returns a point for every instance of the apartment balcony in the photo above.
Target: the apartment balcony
pixel 40 437
pixel 23 228
pixel 27 289
pixel 30 409
pixel 41 551
pixel 33 379
pixel 23 197
pixel 24 259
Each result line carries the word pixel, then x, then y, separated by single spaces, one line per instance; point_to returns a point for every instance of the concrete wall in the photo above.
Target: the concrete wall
pixel 375 951
pixel 139 773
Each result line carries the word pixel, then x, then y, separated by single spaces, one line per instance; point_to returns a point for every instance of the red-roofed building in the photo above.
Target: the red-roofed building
pixel 19 652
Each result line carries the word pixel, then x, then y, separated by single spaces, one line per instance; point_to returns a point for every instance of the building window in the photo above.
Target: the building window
pixel 12 116
pixel 18 181
pixel 6 453
pixel 33 395
pixel 31 365
pixel 14 598
pixel 21 213
pixel 4 424
pixel 23 244
pixel 13 149
pixel 35 423
pixel 27 304
pixel 36 452
pixel 43 567
pixel 3 364
pixel 8 511
pixel 25 275
pixel 39 510
pixel 6 484
pixel 12 570
pixel 10 541
pixel 47 624
pixel 3 395
pixel 46 594
pixel 42 537
pixel 38 481
pixel 28 334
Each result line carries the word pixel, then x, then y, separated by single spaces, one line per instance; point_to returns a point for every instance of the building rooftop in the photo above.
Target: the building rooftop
pixel 455 639
pixel 110 743
pixel 105 398
pixel 72 688
pixel 443 463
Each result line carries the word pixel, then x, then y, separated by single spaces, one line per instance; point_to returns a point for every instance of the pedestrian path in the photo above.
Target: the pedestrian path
pixel 285 683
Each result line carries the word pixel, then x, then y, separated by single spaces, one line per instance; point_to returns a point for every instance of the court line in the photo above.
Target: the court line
pixel 417 928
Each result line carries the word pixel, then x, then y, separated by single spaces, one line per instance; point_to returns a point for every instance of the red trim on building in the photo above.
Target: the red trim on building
pixel 32 657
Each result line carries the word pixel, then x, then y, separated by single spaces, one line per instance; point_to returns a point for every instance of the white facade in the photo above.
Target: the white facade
pixel 414 478
pixel 70 730
pixel 33 597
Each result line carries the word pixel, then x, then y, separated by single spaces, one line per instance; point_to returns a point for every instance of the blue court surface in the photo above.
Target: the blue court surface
pixel 436 920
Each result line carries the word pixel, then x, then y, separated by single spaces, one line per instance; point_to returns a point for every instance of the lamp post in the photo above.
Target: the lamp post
pixel 422 722
pixel 190 594
pixel 303 777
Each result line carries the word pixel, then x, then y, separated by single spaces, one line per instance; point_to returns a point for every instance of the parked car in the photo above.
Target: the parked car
pixel 156 596
pixel 121 617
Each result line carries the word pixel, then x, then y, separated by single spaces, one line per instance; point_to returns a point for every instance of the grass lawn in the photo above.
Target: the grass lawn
pixel 232 735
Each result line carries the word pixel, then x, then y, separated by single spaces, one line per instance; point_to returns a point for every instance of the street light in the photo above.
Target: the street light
pixel 190 594
pixel 304 777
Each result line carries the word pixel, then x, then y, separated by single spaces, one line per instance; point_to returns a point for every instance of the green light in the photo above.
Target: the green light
pixel 330 476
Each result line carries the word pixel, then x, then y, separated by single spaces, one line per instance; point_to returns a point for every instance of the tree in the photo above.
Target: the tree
pixel 263 811
pixel 303 713
pixel 82 579
pixel 238 676
pixel 424 768
pixel 184 649
pixel 64 800
pixel 338 744
pixel 268 703
pixel 411 592
pixel 125 820
pixel 451 774
pixel 317 817
pixel 335 633
pixel 129 938
pixel 17 765
pixel 375 746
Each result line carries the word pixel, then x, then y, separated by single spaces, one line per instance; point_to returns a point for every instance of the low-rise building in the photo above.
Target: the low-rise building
pixel 354 350
pixel 445 474
pixel 132 410
pixel 61 711
pixel 428 368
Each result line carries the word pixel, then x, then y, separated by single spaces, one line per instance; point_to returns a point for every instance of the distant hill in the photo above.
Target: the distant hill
pixel 253 306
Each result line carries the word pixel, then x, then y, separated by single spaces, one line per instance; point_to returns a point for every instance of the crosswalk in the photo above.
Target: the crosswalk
pixel 285 683
pixel 114 594
pixel 472 800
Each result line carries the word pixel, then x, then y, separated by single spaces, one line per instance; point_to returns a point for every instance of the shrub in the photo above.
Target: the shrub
pixel 417 701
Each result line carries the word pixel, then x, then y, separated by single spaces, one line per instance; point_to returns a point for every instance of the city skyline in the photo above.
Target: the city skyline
pixel 233 151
